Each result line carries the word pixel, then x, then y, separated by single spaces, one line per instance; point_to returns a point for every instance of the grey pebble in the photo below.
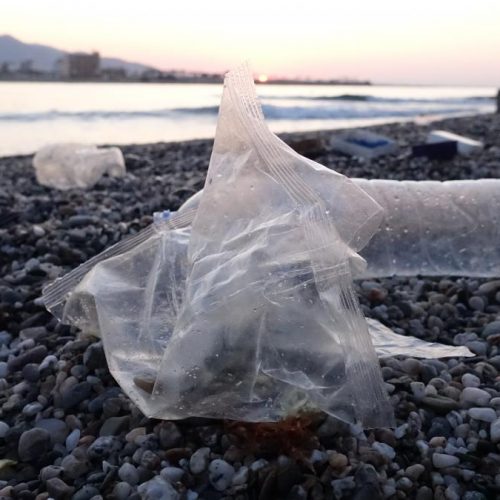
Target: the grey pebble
pixel 33 444
pixel 128 473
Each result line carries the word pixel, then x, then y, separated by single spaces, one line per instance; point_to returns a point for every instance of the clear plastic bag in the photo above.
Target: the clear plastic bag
pixel 66 166
pixel 269 322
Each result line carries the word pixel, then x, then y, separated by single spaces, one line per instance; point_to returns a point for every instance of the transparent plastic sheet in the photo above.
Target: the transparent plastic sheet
pixel 66 166
pixel 269 323
pixel 431 228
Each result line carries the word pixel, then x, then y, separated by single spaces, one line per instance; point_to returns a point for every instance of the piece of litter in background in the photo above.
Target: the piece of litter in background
pixel 442 150
pixel 68 165
pixel 387 343
pixel 465 145
pixel 363 144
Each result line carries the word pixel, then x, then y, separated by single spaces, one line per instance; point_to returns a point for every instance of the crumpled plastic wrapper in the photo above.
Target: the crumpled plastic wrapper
pixel 66 166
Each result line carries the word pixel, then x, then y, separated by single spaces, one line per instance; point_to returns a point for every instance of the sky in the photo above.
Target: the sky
pixel 449 42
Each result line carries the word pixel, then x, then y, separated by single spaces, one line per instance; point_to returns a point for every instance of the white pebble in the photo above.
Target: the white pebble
pixel 259 464
pixel 172 474
pixel 220 474
pixel 470 380
pixel 441 461
pixel 475 397
pixel 72 439
pixel 418 389
pixel 384 449
pixel 483 414
pixel 199 460
pixel 400 431
pixel 495 431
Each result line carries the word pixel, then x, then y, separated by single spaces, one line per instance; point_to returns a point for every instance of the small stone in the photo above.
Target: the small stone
pixel 75 394
pixel 131 436
pixel 169 435
pixel 74 468
pixel 4 428
pixel 31 409
pixel 199 460
pixel 72 439
pixel 33 355
pixel 57 488
pixel 338 461
pixel 57 429
pixel 491 329
pixel 470 380
pixel 476 303
pixel 128 473
pixel 220 474
pixel 122 491
pixel 441 460
pixel 4 369
pixel 418 390
pixel 157 489
pixel 440 404
pixel 94 357
pixel 495 431
pixel 49 472
pixel 240 477
pixel 424 493
pixel 87 492
pixel 437 441
pixel 384 449
pixel 482 414
pixel 172 474
pixel 114 425
pixel 31 372
pixel 103 446
pixel 473 396
pixel 414 471
pixel 33 444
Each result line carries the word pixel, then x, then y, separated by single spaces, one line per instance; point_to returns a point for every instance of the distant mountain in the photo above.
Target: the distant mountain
pixel 14 52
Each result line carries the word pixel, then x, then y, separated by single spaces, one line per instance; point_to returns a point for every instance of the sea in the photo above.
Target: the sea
pixel 33 114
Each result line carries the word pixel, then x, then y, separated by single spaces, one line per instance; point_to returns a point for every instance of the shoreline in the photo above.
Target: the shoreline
pixel 423 124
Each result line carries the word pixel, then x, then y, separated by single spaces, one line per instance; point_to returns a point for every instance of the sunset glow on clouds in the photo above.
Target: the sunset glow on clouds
pixel 448 42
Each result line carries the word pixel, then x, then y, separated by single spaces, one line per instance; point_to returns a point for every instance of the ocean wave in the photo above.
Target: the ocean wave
pixel 382 100
pixel 341 109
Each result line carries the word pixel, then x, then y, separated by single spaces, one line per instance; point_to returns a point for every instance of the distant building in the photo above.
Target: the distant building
pixel 79 65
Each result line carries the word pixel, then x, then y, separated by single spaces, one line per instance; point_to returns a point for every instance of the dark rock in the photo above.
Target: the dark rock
pixel 33 444
pixel 94 357
pixel 57 429
pixel 33 355
pixel 114 425
pixel 58 489
pixel 75 395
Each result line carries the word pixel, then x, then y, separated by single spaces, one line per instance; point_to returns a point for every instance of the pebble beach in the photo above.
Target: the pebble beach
pixel 67 431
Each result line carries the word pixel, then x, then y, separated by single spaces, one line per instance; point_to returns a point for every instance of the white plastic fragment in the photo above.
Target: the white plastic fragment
pixel 66 166
pixel 388 343
pixel 465 145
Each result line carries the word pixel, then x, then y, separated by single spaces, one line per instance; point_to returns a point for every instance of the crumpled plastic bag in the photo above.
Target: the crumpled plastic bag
pixel 66 166
pixel 243 308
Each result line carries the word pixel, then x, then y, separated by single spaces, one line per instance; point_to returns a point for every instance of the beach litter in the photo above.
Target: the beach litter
pixel 465 145
pixel 67 165
pixel 442 150
pixel 363 144
pixel 241 305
